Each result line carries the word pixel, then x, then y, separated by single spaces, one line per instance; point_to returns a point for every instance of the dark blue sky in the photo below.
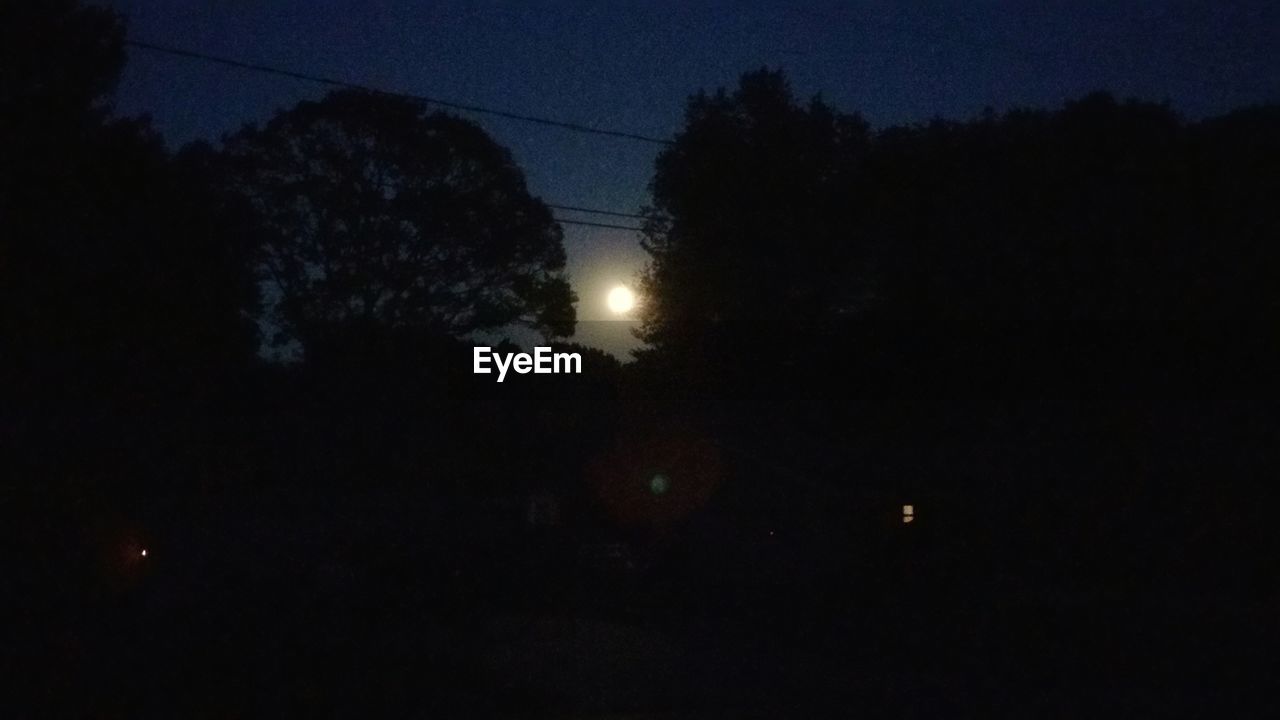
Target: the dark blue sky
pixel 630 65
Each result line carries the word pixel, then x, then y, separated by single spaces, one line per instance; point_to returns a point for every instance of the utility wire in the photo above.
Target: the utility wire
pixel 476 109
pixel 456 106
pixel 595 212
pixel 596 224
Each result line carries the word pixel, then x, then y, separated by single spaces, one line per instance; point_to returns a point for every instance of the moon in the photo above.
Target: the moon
pixel 621 300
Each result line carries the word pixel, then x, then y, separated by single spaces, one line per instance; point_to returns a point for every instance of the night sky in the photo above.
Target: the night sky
pixel 629 66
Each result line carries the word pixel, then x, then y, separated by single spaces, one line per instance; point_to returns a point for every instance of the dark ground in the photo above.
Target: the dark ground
pixel 360 605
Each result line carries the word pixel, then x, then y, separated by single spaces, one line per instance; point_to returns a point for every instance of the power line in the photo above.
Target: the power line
pixel 456 106
pixel 595 212
pixel 595 224
pixel 476 109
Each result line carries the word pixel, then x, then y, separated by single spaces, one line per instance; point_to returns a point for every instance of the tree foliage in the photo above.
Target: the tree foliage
pixel 963 262
pixel 1086 298
pixel 114 250
pixel 383 214
pixel 59 62
pixel 751 224
pixel 126 282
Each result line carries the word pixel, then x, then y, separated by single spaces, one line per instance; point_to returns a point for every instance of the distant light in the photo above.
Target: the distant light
pixel 908 513
pixel 144 552
pixel 659 484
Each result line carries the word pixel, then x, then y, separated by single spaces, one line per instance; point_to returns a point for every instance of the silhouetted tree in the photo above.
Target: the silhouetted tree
pixel 127 289
pixel 1083 298
pixel 752 231
pixel 58 64
pixel 383 214
pixel 127 292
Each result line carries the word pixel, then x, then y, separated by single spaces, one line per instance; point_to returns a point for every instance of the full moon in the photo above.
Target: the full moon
pixel 621 299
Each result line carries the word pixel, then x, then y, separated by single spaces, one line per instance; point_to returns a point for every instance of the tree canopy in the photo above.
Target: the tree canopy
pixel 127 289
pixel 116 253
pixel 1091 291
pixel 977 258
pixel 382 214
pixel 751 224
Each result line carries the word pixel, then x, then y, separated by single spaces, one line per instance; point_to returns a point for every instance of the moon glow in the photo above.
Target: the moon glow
pixel 621 299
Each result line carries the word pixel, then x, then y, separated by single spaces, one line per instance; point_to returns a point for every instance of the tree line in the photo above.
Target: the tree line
pixel 1060 319
pixel 1062 322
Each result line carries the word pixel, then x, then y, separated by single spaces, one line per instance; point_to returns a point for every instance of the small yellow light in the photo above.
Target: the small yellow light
pixel 908 513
